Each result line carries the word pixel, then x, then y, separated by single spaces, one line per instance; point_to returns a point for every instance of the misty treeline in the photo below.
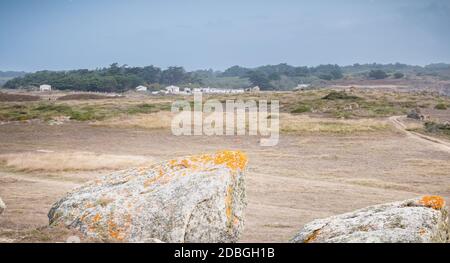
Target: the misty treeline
pixel 120 78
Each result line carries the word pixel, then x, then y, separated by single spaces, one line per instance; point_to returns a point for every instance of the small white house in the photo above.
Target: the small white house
pixel 255 89
pixel 301 87
pixel 172 89
pixel 45 87
pixel 141 88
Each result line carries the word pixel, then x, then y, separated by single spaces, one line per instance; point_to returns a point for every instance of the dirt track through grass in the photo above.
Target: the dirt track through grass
pixel 443 145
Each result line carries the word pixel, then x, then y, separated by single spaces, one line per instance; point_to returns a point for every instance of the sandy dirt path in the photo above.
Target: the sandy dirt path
pixel 396 121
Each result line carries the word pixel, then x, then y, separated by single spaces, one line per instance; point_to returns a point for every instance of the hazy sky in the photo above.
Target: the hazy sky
pixel 69 34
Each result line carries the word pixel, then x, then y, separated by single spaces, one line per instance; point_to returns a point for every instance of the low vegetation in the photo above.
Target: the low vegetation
pixel 441 106
pixel 6 97
pixel 355 104
pixel 78 112
pixel 85 96
pixel 438 128
pixel 339 95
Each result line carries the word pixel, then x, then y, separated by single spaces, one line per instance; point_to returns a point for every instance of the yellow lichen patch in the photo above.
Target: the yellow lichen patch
pixel 114 231
pixel 96 218
pixel 435 202
pixel 232 159
pixel 313 236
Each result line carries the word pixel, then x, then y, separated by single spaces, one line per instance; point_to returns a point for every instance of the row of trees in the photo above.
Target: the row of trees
pixel 115 78
pixel 264 76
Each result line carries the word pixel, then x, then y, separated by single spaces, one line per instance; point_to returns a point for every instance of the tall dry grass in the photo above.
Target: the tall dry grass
pixel 289 123
pixel 70 161
pixel 159 120
pixel 304 124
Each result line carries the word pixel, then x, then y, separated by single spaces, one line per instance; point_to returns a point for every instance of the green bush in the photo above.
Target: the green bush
pixel 399 75
pixel 440 106
pixel 377 74
pixel 434 127
pixel 339 95
pixel 302 109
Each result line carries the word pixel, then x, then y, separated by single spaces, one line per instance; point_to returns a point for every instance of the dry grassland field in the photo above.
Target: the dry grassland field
pixel 339 150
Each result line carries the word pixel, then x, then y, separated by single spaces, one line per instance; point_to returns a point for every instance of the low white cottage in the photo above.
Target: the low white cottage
pixel 45 87
pixel 172 89
pixel 141 88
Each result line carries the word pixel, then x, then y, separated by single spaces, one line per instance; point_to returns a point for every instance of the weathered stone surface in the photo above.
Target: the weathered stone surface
pixel 415 114
pixel 192 199
pixel 2 206
pixel 421 220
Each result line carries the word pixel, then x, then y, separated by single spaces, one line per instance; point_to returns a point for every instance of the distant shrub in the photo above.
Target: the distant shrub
pixel 377 74
pixel 302 109
pixel 339 95
pixel 440 106
pixel 399 75
pixel 326 77
pixel 437 127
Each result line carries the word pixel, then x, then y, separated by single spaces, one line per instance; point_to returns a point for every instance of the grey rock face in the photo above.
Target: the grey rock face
pixel 415 114
pixel 192 199
pixel 2 206
pixel 421 220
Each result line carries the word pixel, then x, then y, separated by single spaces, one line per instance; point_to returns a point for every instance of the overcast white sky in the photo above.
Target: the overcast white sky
pixel 70 34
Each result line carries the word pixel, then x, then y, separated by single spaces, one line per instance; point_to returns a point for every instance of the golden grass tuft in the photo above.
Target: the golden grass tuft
pixel 70 161
pixel 160 120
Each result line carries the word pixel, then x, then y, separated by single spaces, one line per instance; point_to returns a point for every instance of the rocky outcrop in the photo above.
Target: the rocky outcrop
pixel 192 199
pixel 2 206
pixel 415 114
pixel 421 220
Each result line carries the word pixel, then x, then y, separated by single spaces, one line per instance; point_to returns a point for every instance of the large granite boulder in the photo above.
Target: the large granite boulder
pixel 192 199
pixel 2 206
pixel 421 220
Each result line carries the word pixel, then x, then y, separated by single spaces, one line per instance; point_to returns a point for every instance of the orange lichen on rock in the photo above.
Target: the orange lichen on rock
pixel 114 231
pixel 232 159
pixel 313 236
pixel 96 218
pixel 435 202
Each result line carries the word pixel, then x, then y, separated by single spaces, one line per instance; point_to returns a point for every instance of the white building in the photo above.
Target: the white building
pixel 301 87
pixel 255 89
pixel 45 87
pixel 172 89
pixel 141 88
